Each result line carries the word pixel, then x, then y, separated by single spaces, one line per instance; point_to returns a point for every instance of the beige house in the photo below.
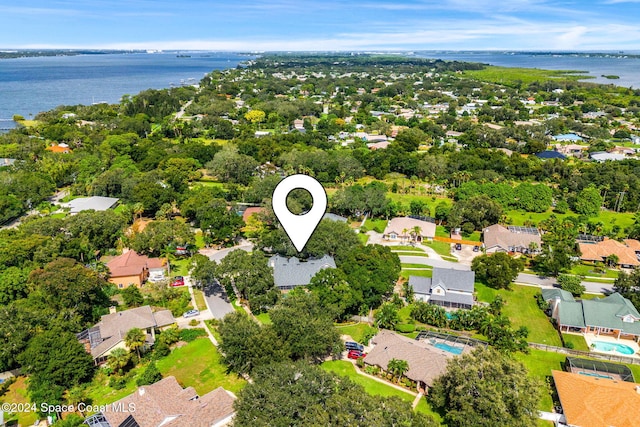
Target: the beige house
pixel 109 333
pixel 511 239
pixel 403 229
pixel 167 404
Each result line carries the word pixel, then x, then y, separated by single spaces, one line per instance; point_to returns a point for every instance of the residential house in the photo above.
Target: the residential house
pixel 628 251
pixel 625 151
pixel 548 154
pixel 131 268
pixel 447 288
pixel 167 404
pixel 498 238
pixel 612 315
pixel 603 156
pixel 573 150
pixel 59 148
pixel 567 137
pixel 95 203
pixel 110 332
pixel 407 228
pixel 250 211
pixel 378 145
pixel 590 401
pixel 426 362
pixel 334 217
pixel 289 273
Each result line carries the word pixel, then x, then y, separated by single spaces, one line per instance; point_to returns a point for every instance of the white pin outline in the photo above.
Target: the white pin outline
pixel 299 228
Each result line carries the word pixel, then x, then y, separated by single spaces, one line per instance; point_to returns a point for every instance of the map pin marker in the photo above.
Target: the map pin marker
pixel 299 228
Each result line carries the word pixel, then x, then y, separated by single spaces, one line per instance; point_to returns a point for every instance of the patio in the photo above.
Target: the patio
pixel 591 338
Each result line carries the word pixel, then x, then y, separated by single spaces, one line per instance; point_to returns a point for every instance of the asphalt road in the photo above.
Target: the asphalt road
pixel 217 300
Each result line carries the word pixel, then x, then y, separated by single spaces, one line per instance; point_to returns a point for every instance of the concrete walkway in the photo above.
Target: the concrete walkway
pixel 416 401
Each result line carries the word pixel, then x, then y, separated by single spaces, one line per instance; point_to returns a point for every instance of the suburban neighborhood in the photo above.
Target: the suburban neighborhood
pixel 481 236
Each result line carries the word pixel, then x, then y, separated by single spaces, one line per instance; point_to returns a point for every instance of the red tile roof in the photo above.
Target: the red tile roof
pixel 131 264
pixel 599 251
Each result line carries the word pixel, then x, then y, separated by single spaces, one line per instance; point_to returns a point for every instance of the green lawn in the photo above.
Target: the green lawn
pixel 364 238
pixel 406 248
pixel 426 272
pixel 441 248
pixel 17 393
pixel 377 225
pixel 623 219
pixel 441 231
pixel 577 341
pixel 410 265
pixel 588 271
pixel 539 365
pixel 356 331
pixel 373 387
pixel 200 240
pixel 521 308
pixel 409 253
pixel 180 266
pixel 99 392
pixel 199 365
pixel 264 318
pixel 199 297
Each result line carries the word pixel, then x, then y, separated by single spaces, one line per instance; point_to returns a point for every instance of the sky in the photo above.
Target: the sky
pixel 302 25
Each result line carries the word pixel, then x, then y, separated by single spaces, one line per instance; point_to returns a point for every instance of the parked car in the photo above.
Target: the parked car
pixel 191 313
pixel 476 248
pixel 178 281
pixel 182 251
pixel 355 354
pixel 351 345
pixel 458 247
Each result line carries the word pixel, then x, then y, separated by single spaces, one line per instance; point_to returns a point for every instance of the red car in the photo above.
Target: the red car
pixel 178 281
pixel 355 354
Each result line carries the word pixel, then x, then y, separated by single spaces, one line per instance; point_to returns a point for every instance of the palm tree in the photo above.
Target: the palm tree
pixel 404 233
pixel 77 394
pixel 612 260
pixel 135 339
pixel 416 232
pixel 397 367
pixel 166 252
pixel 138 210
pixel 118 359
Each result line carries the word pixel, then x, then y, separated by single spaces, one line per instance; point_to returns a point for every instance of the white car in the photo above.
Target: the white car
pixel 191 313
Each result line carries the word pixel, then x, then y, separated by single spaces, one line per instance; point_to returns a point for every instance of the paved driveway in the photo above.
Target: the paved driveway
pixel 217 300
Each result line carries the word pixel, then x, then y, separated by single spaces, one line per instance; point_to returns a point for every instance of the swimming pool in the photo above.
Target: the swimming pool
pixel 449 348
pixel 594 374
pixel 608 346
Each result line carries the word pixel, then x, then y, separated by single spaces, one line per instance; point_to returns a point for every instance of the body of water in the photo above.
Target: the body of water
pixel 627 68
pixel 31 85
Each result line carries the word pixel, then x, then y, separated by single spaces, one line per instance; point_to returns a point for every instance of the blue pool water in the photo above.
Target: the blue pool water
pixel 449 316
pixel 593 374
pixel 606 346
pixel 449 348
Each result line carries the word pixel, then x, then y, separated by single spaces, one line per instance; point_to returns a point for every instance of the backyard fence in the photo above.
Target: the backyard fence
pixel 562 350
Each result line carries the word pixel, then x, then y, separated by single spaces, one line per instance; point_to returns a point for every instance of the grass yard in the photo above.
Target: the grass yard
pixel 100 393
pixel 264 318
pixel 521 308
pixel 441 231
pixel 364 238
pixel 200 240
pixel 180 266
pixel 375 388
pixel 199 365
pixel 539 364
pixel 199 297
pixel 588 271
pixel 406 248
pixel 441 248
pixel 17 393
pixel 377 225
pixel 408 253
pixel 425 272
pixel 410 265
pixel 357 331
pixel 575 342
pixel 623 219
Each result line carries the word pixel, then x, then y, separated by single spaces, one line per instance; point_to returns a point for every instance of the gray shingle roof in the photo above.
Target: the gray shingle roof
pixel 454 297
pixel 451 279
pixel 96 203
pixel 291 272
pixel 420 285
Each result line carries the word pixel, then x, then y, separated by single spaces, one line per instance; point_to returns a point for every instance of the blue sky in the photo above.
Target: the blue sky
pixel 258 25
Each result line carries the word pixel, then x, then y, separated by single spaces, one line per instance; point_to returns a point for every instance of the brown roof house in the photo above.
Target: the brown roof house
pixel 167 404
pixel 426 362
pixel 498 238
pixel 132 269
pixel 109 333
pixel 589 401
pixel 628 252
pixel 402 229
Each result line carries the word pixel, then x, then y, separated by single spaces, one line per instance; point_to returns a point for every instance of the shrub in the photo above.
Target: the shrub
pixel 193 322
pixel 149 376
pixel 360 362
pixel 118 383
pixel 569 345
pixel 405 328
pixel 161 349
pixel 189 335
